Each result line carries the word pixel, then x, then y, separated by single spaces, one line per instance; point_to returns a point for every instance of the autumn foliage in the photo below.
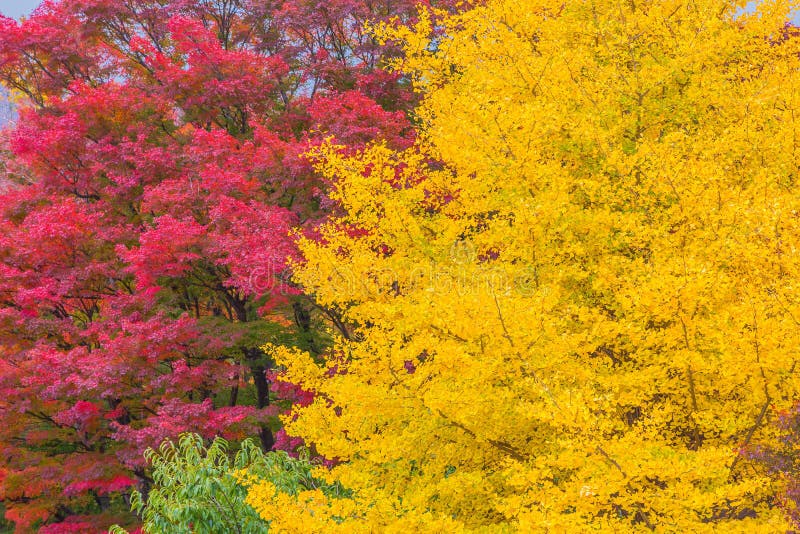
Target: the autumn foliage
pixel 504 266
pixel 574 301
pixel 156 175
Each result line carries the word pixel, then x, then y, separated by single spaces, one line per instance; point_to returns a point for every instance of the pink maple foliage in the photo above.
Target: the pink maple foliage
pixel 157 173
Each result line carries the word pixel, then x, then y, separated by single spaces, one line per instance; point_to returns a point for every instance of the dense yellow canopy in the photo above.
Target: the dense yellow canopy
pixel 575 322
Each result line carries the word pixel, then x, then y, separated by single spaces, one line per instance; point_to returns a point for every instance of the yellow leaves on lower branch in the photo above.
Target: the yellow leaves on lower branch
pixel 308 511
pixel 573 300
pixel 313 511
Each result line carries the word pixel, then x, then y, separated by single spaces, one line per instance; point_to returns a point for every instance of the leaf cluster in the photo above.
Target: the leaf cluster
pixel 197 488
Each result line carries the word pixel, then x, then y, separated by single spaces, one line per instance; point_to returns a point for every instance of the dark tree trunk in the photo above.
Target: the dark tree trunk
pixel 258 370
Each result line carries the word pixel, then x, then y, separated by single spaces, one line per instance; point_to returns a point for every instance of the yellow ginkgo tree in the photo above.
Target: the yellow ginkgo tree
pixel 576 300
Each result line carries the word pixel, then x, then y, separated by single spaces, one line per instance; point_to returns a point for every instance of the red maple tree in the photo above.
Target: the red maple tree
pixel 157 172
